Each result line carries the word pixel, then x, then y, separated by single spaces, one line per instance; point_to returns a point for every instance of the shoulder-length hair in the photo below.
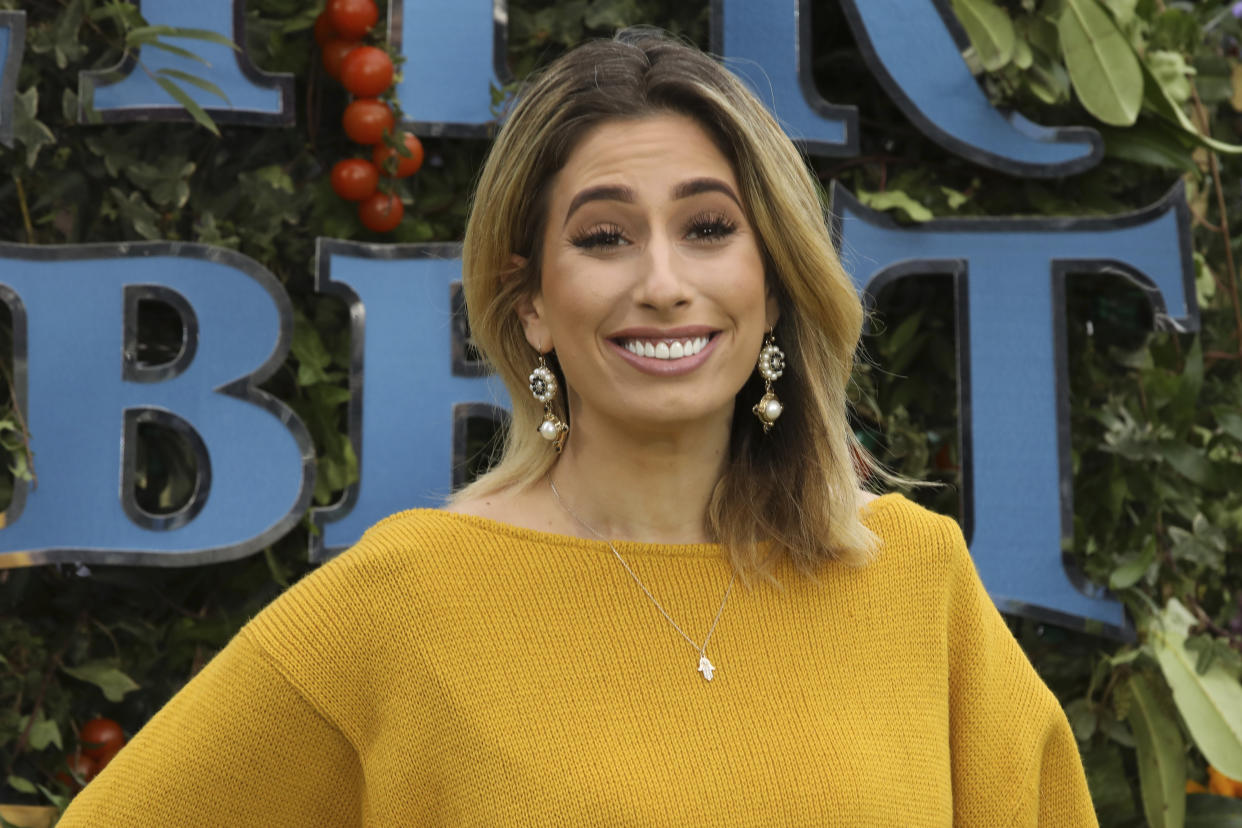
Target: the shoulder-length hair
pixel 791 492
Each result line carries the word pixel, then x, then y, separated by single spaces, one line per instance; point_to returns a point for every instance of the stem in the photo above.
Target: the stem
pixel 1224 221
pixel 34 711
pixel 21 200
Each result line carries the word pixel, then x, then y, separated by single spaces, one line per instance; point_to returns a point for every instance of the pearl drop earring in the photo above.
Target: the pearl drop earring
pixel 543 387
pixel 771 366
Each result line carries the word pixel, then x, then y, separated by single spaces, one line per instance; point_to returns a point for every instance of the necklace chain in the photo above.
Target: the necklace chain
pixel 705 666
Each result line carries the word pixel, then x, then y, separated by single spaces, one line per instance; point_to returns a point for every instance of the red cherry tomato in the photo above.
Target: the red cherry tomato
pixel 380 212
pixel 352 18
pixel 354 179
pixel 78 767
pixel 366 71
pixel 402 166
pixel 101 739
pixel 367 119
pixel 324 31
pixel 334 52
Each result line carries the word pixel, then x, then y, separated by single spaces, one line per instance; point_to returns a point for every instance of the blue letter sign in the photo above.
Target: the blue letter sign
pixel 419 387
pixel 1010 275
pixel 254 97
pixel 84 392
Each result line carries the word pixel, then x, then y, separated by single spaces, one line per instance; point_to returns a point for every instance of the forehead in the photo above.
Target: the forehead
pixel 654 151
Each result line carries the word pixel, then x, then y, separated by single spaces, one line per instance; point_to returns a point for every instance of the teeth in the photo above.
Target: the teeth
pixel 674 349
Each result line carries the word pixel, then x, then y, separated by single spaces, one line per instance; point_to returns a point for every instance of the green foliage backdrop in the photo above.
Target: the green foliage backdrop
pixel 1157 419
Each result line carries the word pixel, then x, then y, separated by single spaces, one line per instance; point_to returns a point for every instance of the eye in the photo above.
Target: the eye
pixel 603 235
pixel 710 227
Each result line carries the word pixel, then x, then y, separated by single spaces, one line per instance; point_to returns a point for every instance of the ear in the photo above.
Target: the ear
pixel 529 308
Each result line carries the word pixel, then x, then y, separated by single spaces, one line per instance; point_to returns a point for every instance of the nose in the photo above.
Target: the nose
pixel 663 283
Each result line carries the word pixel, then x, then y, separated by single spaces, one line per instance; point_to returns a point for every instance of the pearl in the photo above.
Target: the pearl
pixel 548 430
pixel 772 410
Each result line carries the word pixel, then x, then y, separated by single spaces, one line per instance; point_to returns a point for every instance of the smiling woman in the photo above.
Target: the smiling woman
pixel 648 268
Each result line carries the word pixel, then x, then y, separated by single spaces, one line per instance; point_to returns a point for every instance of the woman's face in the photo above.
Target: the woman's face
pixel 652 291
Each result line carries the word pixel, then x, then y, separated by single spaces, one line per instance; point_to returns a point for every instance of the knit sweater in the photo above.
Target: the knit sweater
pixel 451 670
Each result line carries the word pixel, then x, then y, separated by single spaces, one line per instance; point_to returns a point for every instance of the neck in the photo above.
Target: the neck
pixel 650 487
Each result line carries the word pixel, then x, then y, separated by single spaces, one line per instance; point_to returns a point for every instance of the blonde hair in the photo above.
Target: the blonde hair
pixel 794 488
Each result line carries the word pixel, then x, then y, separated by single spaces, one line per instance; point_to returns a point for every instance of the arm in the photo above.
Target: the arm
pixel 1015 759
pixel 236 746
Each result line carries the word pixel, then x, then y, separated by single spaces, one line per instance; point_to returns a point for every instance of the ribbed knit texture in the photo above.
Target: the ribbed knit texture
pixel 452 670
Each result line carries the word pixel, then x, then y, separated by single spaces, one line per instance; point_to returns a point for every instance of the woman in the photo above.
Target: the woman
pixel 647 267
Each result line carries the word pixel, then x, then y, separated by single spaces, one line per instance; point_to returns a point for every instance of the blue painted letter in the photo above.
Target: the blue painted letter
pixel 84 392
pixel 1014 396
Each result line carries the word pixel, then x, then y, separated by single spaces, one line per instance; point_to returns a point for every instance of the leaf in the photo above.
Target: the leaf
pixel 1151 143
pixel 1157 100
pixel 1162 769
pixel 1102 66
pixel 191 106
pixel 28 130
pixel 990 31
pixel 43 732
pixel 1173 73
pixel 1210 704
pixel 1134 567
pixel 201 83
pixel 1230 422
pixel 150 34
pixel 1189 461
pixel 1208 811
pixel 177 50
pixel 1235 80
pixel 896 200
pixel 1122 10
pixel 105 675
pixel 22 784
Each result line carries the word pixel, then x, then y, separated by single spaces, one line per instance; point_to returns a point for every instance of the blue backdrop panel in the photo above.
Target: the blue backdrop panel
pixel 454 53
pixel 767 43
pixel 1015 409
pixel 69 320
pixel 12 43
pixel 405 388
pixel 254 97
pixel 914 50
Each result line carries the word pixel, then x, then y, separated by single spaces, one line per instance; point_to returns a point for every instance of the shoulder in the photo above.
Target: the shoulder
pixel 905 527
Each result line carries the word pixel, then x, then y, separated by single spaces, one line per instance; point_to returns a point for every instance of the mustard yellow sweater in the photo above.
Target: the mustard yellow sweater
pixel 450 670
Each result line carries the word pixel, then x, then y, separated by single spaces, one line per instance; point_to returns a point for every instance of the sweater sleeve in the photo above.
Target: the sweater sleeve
pixel 1015 759
pixel 238 746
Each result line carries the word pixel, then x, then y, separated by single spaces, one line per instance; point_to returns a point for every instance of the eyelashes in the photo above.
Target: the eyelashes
pixel 709 227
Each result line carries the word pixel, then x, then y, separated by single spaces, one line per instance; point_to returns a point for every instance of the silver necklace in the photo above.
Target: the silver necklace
pixel 705 666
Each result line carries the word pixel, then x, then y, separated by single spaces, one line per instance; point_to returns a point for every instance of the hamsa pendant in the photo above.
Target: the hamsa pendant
pixel 705 667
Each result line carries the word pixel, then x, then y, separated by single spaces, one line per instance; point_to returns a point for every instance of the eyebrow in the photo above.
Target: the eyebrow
pixel 685 189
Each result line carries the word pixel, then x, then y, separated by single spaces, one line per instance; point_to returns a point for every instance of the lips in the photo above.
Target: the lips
pixel 667 352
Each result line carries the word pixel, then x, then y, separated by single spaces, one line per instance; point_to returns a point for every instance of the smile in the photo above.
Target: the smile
pixel 665 348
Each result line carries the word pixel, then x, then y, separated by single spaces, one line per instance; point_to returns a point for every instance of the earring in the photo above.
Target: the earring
pixel 771 366
pixel 543 387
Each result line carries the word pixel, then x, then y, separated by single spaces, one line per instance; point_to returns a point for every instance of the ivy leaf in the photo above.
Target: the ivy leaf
pixel 1102 65
pixel 105 675
pixel 32 133
pixel 1158 742
pixel 43 732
